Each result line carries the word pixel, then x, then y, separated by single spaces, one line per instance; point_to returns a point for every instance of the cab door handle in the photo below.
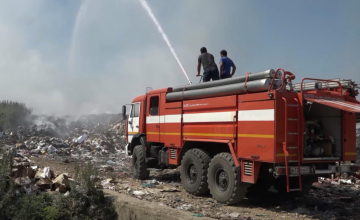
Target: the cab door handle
pixel 157 126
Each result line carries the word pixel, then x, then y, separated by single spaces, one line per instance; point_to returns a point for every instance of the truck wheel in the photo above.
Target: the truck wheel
pixel 224 180
pixel 138 162
pixel 193 173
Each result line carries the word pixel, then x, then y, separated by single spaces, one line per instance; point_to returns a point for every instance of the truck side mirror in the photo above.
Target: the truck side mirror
pixel 124 112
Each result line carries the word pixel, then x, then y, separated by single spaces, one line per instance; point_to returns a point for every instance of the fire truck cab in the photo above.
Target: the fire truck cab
pixel 235 135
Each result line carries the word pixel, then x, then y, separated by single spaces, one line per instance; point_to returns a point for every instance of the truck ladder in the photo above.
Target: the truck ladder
pixel 294 149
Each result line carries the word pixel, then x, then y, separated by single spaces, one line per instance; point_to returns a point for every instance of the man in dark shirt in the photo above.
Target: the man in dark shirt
pixel 211 70
pixel 225 65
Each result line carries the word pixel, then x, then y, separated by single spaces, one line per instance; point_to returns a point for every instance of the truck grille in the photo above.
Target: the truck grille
pixel 248 168
pixel 173 153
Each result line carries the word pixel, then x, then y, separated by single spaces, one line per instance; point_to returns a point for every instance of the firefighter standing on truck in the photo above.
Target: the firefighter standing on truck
pixel 211 70
pixel 225 65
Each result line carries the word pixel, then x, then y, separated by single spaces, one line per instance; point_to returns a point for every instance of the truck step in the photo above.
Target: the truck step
pixel 292 190
pixel 292 105
pixel 292 119
pixel 292 148
pixel 292 161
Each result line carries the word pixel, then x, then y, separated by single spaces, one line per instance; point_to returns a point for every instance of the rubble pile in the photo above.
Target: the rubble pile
pixel 31 179
pixel 80 137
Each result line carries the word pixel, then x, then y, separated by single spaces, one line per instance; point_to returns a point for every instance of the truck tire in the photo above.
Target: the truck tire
pixel 224 180
pixel 193 172
pixel 138 162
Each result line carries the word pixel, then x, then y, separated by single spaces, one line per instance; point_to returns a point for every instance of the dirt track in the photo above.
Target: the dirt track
pixel 167 192
pixel 130 208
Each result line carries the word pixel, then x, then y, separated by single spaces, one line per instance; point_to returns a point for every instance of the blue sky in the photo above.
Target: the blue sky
pixel 115 52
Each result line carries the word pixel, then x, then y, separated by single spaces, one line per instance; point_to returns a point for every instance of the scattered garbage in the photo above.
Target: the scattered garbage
pixel 31 189
pixel 21 181
pixel 82 138
pixel 185 207
pixel 46 173
pixel 170 190
pixel 138 193
pixel 234 215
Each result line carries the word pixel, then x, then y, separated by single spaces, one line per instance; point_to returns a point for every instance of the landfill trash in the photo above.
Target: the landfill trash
pixel 67 194
pixel 138 193
pixel 346 181
pixel 186 207
pixel 110 162
pixel 51 149
pixel 82 138
pixel 198 215
pixel 31 189
pixel 22 181
pixel 46 173
pixel 234 215
pixel 148 185
pixel 61 180
pixel 170 190
pixel 44 183
pixel 106 183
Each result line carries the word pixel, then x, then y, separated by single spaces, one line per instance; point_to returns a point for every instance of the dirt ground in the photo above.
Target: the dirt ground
pixel 164 189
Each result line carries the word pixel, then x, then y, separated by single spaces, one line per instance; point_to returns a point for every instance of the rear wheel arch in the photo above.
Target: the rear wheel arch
pixel 212 148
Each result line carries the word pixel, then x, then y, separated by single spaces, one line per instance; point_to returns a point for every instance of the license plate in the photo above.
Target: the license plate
pixel 303 170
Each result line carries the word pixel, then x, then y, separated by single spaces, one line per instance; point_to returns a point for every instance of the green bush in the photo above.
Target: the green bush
pixel 83 202
pixel 7 185
pixel 88 200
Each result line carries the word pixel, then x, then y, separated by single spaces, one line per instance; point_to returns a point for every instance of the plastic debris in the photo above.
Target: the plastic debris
pixel 138 193
pixel 51 149
pixel 82 138
pixel 186 207
pixel 46 173
pixel 234 215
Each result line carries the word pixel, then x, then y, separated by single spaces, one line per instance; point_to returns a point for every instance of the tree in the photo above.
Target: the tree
pixel 13 114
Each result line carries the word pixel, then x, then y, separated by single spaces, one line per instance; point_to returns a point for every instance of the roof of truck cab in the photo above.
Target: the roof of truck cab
pixel 139 98
pixel 164 90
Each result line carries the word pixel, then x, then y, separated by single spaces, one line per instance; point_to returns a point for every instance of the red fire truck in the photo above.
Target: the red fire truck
pixel 257 129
